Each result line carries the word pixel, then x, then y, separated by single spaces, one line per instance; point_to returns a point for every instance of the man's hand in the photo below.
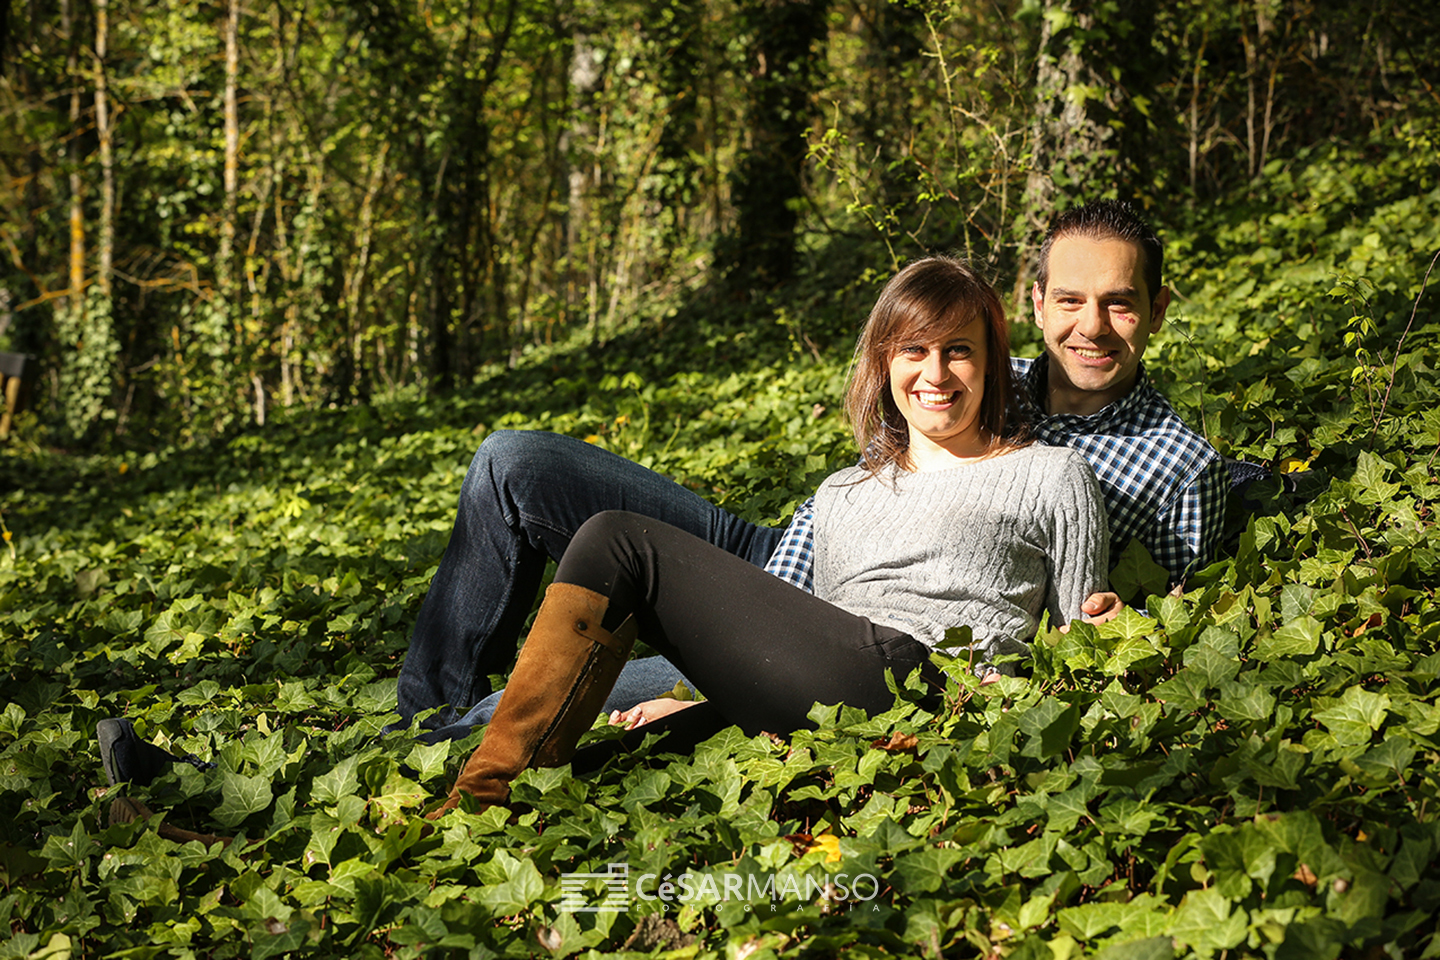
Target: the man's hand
pixel 1098 608
pixel 642 713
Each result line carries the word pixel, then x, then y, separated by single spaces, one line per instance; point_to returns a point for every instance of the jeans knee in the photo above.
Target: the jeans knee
pixel 503 447
pixel 517 460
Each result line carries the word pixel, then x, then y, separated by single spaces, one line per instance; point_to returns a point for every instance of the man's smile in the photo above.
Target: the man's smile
pixel 1091 353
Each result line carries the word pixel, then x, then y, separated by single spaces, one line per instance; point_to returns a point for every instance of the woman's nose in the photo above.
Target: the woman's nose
pixel 935 367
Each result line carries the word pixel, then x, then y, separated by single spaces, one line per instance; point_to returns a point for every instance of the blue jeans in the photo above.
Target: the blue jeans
pixel 523 498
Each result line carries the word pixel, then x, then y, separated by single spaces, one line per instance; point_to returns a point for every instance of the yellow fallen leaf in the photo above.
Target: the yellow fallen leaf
pixel 831 845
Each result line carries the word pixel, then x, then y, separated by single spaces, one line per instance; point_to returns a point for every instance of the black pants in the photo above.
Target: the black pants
pixel 761 650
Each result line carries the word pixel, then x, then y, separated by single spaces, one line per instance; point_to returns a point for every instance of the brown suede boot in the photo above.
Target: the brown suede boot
pixel 566 669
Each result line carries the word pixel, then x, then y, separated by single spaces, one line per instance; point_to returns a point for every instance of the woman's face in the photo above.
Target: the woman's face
pixel 938 386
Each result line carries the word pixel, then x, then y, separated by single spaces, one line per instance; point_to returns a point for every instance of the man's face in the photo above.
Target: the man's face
pixel 1097 317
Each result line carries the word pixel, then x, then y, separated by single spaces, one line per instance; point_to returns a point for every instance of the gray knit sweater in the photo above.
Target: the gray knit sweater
pixel 988 544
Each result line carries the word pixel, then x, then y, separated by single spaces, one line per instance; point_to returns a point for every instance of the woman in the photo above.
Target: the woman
pixel 951 518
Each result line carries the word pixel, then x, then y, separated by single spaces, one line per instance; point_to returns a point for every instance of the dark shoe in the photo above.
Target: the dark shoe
pixel 128 759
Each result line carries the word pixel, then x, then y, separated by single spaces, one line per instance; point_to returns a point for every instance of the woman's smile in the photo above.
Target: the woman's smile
pixel 936 401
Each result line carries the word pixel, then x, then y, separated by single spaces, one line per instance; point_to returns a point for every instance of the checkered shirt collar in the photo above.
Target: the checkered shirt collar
pixel 1131 408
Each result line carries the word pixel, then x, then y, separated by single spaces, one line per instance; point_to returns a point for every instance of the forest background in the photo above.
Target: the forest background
pixel 280 266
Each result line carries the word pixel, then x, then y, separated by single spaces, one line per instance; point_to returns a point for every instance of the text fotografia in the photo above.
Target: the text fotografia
pixel 714 887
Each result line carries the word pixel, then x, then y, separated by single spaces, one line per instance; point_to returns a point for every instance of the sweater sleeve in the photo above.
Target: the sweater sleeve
pixel 1080 541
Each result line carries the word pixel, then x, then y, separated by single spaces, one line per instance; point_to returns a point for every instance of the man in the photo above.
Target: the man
pixel 1098 298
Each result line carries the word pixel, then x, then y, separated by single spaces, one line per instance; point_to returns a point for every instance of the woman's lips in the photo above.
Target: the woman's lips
pixel 928 399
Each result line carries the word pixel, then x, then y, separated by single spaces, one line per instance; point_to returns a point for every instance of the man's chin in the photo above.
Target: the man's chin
pixel 1107 385
pixel 1090 380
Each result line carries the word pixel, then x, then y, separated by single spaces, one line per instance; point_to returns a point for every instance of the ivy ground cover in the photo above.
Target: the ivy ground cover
pixel 1246 769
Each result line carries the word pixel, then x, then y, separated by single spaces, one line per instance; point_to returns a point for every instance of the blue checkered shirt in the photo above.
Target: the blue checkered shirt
pixel 1162 482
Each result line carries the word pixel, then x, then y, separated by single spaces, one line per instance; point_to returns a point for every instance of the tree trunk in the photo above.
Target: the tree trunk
pixel 577 146
pixel 225 265
pixel 75 298
pixel 1088 139
pixel 107 150
pixel 782 35
pixel 4 34
pixel 1065 133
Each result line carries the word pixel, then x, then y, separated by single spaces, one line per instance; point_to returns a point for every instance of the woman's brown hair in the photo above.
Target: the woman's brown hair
pixel 928 301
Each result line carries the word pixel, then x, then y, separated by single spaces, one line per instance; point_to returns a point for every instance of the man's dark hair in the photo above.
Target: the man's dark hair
pixel 1106 220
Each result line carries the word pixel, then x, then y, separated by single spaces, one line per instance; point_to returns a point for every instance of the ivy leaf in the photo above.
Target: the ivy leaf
pixel 1370 484
pixel 339 781
pixel 1242 703
pixel 1131 624
pixel 1210 666
pixel 1355 716
pixel 1127 654
pixel 1282 770
pixel 428 760
pixel 241 796
pixel 1296 600
pixel 396 795
pixel 1389 759
pixel 1205 921
pixel 523 886
pixel 1298 638
pixel 1149 948
pixel 1051 724
pixel 1136 575
pixel 1185 690
pixel 1066 809
pixel 69 852
pixel 923 871
pixel 1090 921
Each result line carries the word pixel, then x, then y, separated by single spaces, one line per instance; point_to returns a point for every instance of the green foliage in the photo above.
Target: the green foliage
pixel 1251 768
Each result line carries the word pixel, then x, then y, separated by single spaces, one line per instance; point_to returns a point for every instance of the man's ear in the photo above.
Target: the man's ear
pixel 1157 309
pixel 1037 297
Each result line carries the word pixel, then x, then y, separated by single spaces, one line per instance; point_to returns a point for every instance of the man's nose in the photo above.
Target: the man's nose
pixel 1094 321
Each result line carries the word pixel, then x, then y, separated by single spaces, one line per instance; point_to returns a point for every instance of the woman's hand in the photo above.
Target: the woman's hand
pixel 1098 608
pixel 642 713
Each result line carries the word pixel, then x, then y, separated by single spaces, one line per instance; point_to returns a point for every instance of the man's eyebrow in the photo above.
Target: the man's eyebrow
pixel 1130 292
